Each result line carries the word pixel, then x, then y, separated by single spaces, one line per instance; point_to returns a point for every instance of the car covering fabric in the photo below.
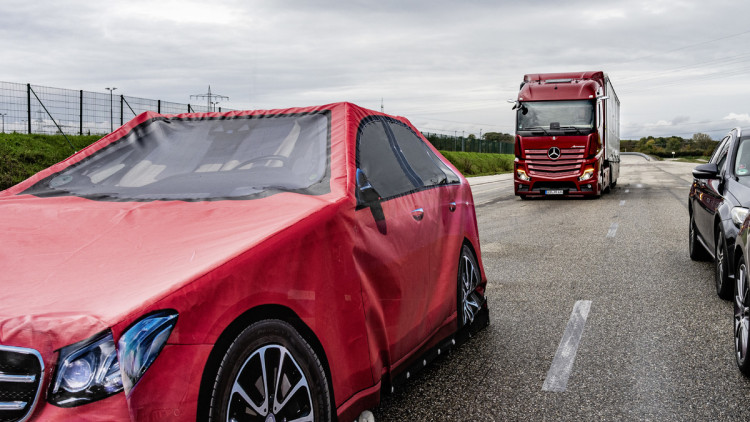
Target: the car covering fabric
pixel 76 263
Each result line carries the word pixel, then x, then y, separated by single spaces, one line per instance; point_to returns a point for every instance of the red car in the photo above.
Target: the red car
pixel 233 266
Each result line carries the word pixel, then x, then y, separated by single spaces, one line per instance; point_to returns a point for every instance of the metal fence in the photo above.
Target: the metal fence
pixel 457 143
pixel 26 108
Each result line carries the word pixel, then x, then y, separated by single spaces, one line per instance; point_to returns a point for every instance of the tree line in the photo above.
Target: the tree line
pixel 699 145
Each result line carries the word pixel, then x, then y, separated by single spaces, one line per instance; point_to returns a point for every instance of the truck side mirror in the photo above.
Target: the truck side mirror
pixel 706 171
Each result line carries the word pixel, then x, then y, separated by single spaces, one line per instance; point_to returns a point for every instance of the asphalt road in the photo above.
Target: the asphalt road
pixel 654 344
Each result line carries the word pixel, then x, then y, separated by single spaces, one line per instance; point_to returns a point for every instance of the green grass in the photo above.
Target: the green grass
pixel 697 160
pixel 21 156
pixel 479 163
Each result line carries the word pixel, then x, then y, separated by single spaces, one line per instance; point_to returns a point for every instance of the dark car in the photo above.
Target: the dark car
pixel 718 204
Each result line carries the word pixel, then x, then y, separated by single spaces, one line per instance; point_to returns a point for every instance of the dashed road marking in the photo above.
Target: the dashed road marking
pixel 627 190
pixel 562 364
pixel 622 203
pixel 612 230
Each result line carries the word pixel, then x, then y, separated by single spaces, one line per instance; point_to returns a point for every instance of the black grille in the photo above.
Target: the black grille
pixel 555 185
pixel 21 372
pixel 568 164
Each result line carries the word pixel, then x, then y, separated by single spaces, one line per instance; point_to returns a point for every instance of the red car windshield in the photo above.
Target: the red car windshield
pixel 243 157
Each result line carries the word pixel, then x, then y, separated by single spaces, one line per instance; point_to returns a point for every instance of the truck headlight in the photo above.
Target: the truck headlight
pixel 587 174
pixel 141 344
pixel 738 215
pixel 522 175
pixel 87 371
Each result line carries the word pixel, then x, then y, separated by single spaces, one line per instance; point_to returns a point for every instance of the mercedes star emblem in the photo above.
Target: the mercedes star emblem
pixel 553 153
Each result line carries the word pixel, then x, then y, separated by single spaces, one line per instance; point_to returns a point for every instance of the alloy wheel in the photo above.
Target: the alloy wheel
pixel 270 387
pixel 741 315
pixel 469 280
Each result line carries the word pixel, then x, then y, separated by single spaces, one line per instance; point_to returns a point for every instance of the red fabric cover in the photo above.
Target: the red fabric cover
pixel 73 267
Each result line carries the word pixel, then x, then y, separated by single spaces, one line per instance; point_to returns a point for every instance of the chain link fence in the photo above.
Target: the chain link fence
pixel 458 143
pixel 26 108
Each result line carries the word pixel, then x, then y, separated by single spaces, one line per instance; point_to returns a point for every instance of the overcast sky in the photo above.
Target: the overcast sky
pixel 679 67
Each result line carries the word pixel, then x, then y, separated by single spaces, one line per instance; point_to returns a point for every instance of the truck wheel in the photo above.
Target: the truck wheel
pixel 721 261
pixel 468 280
pixel 697 251
pixel 608 189
pixel 270 373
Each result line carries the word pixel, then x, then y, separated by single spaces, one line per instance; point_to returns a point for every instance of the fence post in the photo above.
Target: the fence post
pixel 28 106
pixel 80 114
pixel 158 106
pixel 122 99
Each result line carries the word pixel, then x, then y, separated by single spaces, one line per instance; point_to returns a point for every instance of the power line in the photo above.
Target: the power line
pixel 210 97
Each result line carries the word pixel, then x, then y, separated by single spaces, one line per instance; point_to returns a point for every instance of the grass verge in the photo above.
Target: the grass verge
pixel 479 163
pixel 21 156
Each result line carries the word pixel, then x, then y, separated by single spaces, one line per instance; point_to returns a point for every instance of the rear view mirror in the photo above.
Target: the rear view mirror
pixel 367 194
pixel 706 171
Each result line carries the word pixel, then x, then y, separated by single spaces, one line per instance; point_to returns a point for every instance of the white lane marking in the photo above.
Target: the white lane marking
pixel 627 190
pixel 562 364
pixel 612 230
pixel 622 203
pixel 639 185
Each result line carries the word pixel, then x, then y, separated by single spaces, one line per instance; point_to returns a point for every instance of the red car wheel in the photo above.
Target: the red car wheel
pixel 270 373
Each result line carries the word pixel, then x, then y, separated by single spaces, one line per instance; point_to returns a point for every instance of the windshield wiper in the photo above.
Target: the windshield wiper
pixel 572 128
pixel 533 128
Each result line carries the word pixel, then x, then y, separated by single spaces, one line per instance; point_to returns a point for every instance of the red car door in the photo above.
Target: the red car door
pixel 402 240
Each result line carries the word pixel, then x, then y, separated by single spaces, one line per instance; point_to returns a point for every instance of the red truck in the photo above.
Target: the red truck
pixel 567 135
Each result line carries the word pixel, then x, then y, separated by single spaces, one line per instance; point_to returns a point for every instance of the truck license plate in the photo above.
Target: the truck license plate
pixel 554 192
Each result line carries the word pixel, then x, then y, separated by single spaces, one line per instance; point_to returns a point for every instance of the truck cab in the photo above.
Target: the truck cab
pixel 567 135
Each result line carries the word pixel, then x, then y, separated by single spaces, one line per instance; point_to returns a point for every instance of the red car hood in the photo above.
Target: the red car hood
pixel 73 267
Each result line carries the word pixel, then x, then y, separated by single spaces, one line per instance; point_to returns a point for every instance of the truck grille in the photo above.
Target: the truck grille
pixel 569 163
pixel 21 373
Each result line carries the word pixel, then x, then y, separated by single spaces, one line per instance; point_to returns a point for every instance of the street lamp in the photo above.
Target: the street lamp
pixel 111 126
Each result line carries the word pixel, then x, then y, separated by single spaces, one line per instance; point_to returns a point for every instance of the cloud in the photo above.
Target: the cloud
pixel 745 117
pixel 604 14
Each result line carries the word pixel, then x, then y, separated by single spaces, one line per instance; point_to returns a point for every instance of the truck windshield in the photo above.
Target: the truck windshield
pixel 566 116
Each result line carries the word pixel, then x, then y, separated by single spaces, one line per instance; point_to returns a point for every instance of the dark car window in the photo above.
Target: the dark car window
pixel 377 158
pixel 193 159
pixel 430 169
pixel 722 158
pixel 742 162
pixel 721 148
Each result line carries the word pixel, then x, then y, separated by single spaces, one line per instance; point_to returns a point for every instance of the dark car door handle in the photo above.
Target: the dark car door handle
pixel 452 206
pixel 418 214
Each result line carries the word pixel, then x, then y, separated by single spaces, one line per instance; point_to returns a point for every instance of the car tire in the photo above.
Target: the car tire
pixel 697 251
pixel 469 301
pixel 742 317
pixel 246 389
pixel 721 262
